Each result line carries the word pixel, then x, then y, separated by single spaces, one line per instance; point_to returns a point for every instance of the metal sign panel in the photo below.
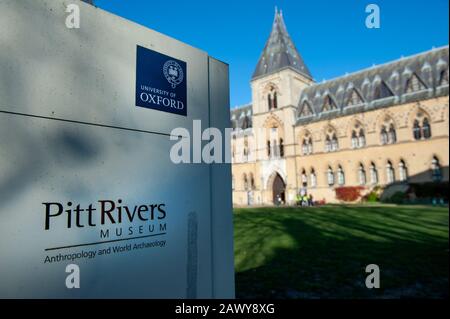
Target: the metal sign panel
pixel 85 174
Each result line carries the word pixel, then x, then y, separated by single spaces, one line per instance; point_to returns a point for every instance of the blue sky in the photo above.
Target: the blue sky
pixel 330 35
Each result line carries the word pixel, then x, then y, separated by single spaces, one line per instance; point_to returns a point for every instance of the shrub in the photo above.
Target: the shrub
pixel 372 197
pixel 348 193
pixel 430 190
pixel 397 198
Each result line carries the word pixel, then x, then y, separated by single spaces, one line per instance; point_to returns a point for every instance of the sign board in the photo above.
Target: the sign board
pixel 85 173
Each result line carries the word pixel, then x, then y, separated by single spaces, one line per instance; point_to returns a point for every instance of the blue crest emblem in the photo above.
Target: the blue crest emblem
pixel 173 73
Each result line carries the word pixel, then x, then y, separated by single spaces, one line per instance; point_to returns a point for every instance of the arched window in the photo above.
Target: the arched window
pixel 246 150
pixel 417 132
pixel 272 99
pixel 373 174
pixel 275 100
pixel 330 176
pixel 426 128
pixel 246 123
pixel 358 138
pixel 313 178
pixel 334 143
pixel 436 172
pixel 245 182
pixel 327 144
pixel 361 138
pixel 307 145
pixel 281 147
pixel 252 181
pixel 390 174
pixel 361 175
pixel 383 135
pixel 402 171
pixel 392 135
pixel 268 149
pixel 421 127
pixel 341 176
pixel 304 178
pixel 354 140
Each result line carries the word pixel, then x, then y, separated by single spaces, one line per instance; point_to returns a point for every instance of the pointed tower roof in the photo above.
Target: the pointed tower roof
pixel 280 52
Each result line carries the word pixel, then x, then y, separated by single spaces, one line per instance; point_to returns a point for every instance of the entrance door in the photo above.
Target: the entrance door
pixel 279 189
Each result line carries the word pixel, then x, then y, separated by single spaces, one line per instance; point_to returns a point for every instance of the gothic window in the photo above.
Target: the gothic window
pixel 341 176
pixel 421 127
pixel 331 141
pixel 361 138
pixel 361 175
pixel 327 144
pixel 390 174
pixel 328 104
pixel 383 135
pixel 281 147
pixel 373 174
pixel 382 91
pixel 304 178
pixel 307 145
pixel 414 84
pixel 358 138
pixel 426 129
pixel 402 171
pixel 245 182
pixel 246 123
pixel 417 132
pixel 252 181
pixel 330 177
pixel 354 98
pixel 272 99
pixel 388 134
pixel 392 135
pixel 443 77
pixel 275 100
pixel 436 172
pixel 354 140
pixel 313 178
pixel 334 143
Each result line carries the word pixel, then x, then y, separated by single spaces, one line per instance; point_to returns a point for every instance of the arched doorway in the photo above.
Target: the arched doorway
pixel 278 189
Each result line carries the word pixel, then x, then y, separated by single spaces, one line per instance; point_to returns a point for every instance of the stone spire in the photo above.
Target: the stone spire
pixel 280 52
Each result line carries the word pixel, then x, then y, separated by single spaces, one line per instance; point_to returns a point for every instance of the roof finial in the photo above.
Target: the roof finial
pixel 276 10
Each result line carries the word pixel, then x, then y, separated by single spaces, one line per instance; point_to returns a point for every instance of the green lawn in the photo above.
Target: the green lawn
pixel 322 252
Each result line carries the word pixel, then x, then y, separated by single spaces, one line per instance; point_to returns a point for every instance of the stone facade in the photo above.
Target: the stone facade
pixel 386 125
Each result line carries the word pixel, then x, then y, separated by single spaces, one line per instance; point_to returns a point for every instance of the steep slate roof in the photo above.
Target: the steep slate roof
pixel 280 52
pixel 241 117
pixel 427 67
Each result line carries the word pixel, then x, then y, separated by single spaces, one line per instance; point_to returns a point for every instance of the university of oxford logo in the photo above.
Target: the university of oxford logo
pixel 173 73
